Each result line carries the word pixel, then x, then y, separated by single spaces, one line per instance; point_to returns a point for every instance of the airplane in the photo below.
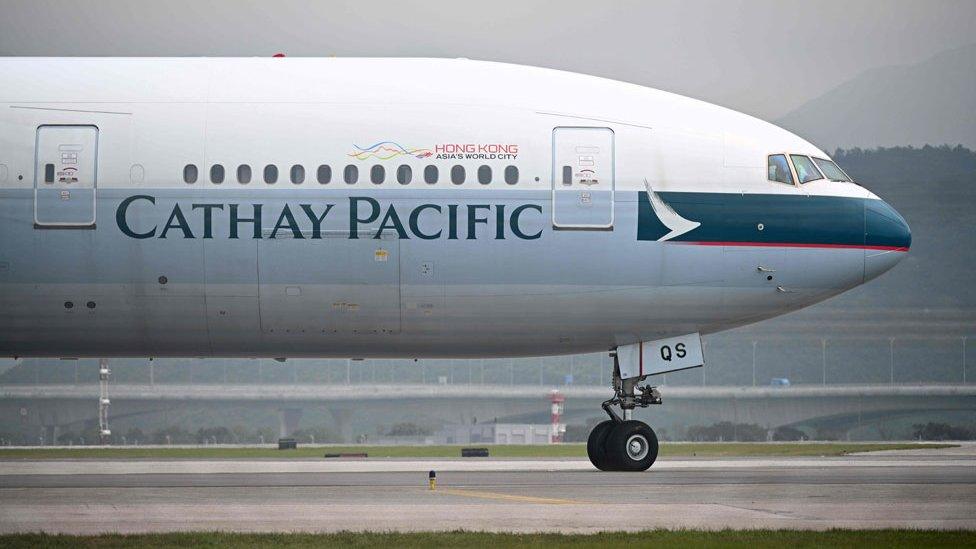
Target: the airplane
pixel 412 208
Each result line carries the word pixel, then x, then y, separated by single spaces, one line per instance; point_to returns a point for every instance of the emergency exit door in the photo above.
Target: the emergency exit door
pixel 65 176
pixel 582 178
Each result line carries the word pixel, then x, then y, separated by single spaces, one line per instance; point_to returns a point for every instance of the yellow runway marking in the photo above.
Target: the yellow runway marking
pixel 506 497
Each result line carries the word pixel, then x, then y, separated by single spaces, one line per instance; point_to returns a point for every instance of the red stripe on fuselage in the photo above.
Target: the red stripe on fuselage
pixel 796 245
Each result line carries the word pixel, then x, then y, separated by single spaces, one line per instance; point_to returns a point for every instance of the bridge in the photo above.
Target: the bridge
pixel 60 406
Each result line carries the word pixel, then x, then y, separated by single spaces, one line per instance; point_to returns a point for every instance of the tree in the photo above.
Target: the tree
pixel 135 436
pixel 942 431
pixel 409 430
pixel 319 433
pixel 727 431
pixel 787 433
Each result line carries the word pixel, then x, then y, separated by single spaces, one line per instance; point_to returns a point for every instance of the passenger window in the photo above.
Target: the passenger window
pixel 271 174
pixel 244 174
pixel 431 174
pixel 567 175
pixel 297 174
pixel 190 173
pixel 511 175
pixel 779 169
pixel 805 170
pixel 457 174
pixel 324 174
pixel 351 174
pixel 49 173
pixel 484 175
pixel 217 174
pixel 377 174
pixel 831 171
pixel 404 174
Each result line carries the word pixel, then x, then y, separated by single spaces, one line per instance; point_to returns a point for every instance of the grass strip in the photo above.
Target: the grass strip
pixel 860 539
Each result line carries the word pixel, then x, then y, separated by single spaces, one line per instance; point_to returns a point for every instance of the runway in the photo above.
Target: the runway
pixel 904 490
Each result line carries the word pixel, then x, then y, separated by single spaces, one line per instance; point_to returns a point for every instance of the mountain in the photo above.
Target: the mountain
pixel 932 102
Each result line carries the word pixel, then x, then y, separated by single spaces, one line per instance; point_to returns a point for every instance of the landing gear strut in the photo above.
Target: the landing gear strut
pixel 623 443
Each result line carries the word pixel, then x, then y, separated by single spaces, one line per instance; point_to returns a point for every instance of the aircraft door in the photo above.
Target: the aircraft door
pixel 65 176
pixel 582 178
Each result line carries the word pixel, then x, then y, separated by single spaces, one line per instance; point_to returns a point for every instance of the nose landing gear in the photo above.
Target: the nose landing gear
pixel 624 444
pixel 628 445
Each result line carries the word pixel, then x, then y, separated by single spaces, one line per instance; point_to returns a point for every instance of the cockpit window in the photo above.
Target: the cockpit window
pixel 779 169
pixel 805 169
pixel 831 171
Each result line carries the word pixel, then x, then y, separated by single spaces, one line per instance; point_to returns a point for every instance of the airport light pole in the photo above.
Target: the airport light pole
pixel 600 373
pixel 754 362
pixel 823 358
pixel 891 361
pixel 104 433
pixel 704 346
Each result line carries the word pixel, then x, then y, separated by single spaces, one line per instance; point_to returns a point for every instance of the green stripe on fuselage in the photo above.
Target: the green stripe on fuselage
pixel 758 218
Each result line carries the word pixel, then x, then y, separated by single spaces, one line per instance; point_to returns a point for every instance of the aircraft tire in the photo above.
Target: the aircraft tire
pixel 631 446
pixel 596 445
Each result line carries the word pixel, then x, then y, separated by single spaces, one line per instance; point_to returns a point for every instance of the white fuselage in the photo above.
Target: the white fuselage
pixel 398 207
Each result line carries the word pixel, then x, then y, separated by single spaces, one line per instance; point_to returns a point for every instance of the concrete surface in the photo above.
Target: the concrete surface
pixel 936 490
pixel 302 465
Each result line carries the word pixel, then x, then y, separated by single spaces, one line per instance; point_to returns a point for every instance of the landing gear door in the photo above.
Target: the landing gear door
pixel 582 178
pixel 650 358
pixel 65 176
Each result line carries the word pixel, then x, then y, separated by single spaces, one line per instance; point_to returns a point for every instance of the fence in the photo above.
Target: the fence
pixel 734 361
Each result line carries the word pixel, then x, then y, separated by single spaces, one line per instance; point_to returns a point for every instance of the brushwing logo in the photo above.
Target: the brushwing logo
pixel 385 150
pixel 674 224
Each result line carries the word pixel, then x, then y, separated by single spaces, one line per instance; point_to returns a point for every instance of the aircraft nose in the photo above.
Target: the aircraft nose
pixel 887 238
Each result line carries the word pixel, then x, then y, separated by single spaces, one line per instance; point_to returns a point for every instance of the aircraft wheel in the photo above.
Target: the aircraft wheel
pixel 596 445
pixel 631 446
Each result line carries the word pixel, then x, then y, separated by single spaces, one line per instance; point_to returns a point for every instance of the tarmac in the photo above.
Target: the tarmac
pixel 905 489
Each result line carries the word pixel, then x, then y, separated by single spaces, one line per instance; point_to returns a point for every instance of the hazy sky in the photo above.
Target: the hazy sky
pixel 761 57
